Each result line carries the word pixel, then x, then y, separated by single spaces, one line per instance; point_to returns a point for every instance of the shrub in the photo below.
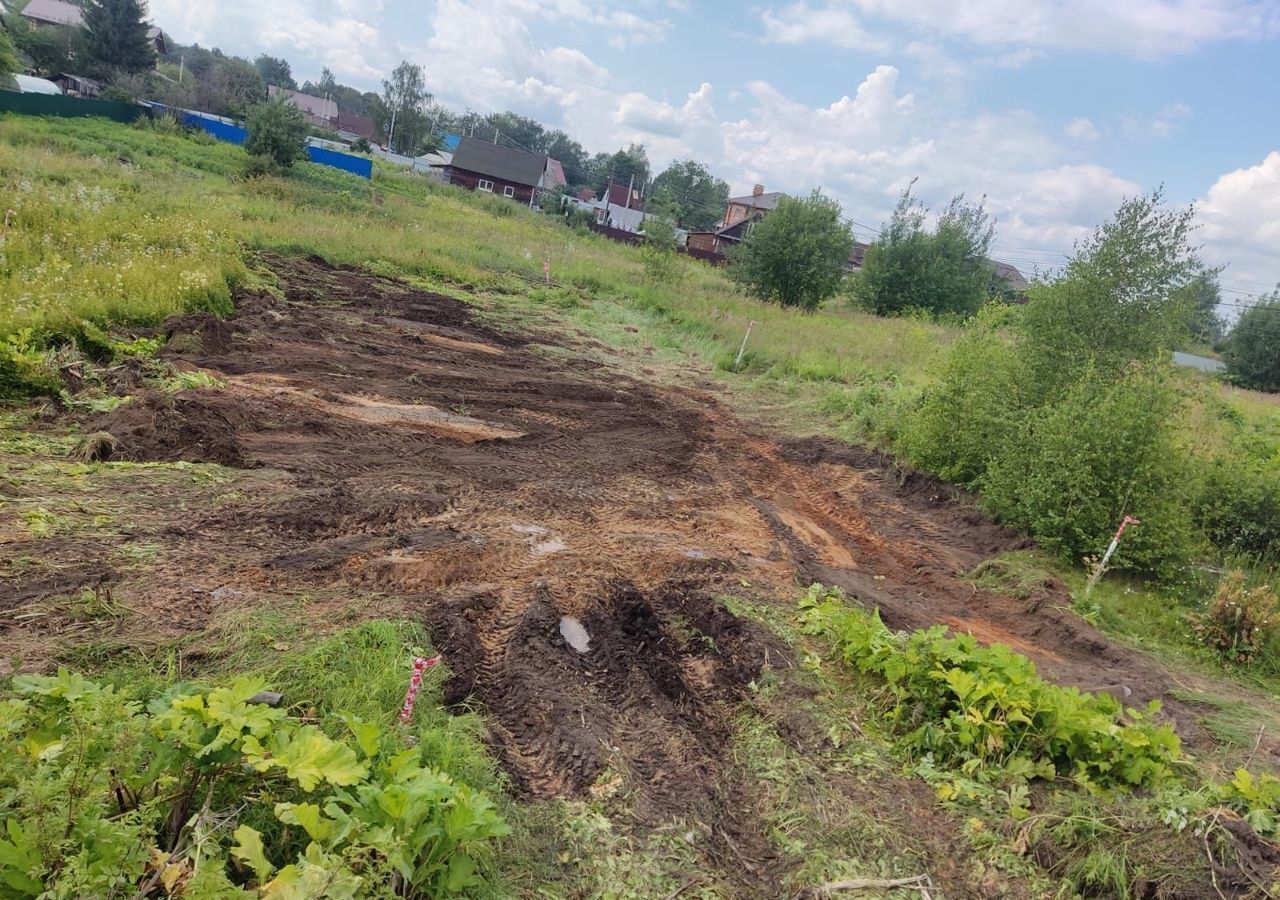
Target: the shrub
pixel 658 254
pixel 361 145
pixel 1073 469
pixel 985 709
pixel 202 790
pixel 1238 504
pixel 797 254
pixel 1252 352
pixel 277 132
pixel 945 271
pixel 971 413
pixel 1240 621
pixel 1070 422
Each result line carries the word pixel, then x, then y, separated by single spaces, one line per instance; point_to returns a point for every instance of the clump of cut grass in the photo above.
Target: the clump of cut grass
pixel 97 447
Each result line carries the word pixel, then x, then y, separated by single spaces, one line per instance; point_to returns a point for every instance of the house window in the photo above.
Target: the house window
pixel 508 191
pixel 484 185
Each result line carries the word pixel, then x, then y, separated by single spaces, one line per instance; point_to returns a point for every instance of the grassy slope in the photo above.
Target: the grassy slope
pixel 146 224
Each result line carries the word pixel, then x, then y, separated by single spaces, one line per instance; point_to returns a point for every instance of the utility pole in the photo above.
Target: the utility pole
pixel 392 133
pixel 630 184
pixel 495 135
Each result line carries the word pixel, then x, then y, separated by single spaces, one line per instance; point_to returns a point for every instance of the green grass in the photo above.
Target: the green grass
pixel 145 224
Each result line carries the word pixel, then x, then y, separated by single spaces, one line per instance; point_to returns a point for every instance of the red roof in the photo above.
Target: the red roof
pixel 586 195
pixel 555 174
pixel 616 194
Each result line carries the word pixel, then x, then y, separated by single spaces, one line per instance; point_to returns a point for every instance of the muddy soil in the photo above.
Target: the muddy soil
pixel 405 449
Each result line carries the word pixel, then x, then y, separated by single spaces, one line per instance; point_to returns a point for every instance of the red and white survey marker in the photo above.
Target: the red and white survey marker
pixel 420 665
pixel 1111 548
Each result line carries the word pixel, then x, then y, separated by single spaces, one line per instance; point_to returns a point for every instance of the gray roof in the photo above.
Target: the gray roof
pixel 759 201
pixel 56 12
pixel 1010 274
pixel 320 107
pixel 502 163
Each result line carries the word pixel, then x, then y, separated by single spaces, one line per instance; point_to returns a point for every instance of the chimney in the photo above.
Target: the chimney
pixel 757 190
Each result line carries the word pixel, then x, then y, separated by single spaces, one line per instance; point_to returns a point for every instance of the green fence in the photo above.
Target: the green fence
pixel 66 107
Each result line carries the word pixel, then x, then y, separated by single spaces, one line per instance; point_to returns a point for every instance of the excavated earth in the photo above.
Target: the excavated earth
pixel 502 487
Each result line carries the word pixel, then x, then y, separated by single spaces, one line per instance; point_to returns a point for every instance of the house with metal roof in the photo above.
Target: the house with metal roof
pixel 62 14
pixel 319 111
pixel 53 12
pixel 481 166
pixel 755 205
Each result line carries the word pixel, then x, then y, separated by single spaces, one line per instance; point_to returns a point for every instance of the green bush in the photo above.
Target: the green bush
pixel 943 271
pixel 986 711
pixel 1238 503
pixel 277 132
pixel 1252 351
pixel 202 790
pixel 361 145
pixel 1073 469
pixel 797 254
pixel 971 414
pixel 1069 421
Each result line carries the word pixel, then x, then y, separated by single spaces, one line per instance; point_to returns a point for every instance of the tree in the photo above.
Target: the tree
pixel 232 87
pixel 1201 296
pixel 797 254
pixel 275 70
pixel 48 51
pixel 943 271
pixel 114 37
pixel 1118 300
pixel 515 130
pixel 1252 353
pixel 327 84
pixel 8 55
pixel 629 166
pixel 697 197
pixel 405 96
pixel 277 134
pixel 1070 419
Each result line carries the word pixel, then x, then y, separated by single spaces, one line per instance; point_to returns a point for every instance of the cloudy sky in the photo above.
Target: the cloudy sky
pixel 1052 109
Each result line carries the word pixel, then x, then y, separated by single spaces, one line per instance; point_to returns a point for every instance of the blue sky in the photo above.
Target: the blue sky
pixel 1053 109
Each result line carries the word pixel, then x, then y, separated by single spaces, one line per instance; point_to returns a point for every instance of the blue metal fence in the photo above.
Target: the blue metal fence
pixel 221 130
pixel 356 165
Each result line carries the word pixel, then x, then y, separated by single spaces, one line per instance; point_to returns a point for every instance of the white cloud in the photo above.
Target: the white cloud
pixel 1240 219
pixel 1082 129
pixel 643 113
pixel 1143 28
pixel 328 33
pixel 832 24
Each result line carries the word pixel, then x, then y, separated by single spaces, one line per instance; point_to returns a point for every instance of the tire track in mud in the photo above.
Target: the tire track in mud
pixel 550 487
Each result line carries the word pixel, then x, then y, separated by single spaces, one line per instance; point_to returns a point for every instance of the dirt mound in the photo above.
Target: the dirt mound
pixel 643 693
pixel 195 427
pixel 198 332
